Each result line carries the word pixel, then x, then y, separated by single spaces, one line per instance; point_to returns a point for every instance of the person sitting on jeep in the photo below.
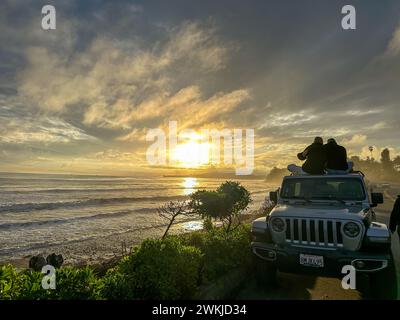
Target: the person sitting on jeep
pixel 336 158
pixel 315 157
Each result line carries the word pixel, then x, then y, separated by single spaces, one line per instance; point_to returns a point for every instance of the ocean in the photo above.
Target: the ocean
pixel 42 211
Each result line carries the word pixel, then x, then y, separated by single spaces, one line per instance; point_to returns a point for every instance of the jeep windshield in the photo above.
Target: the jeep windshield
pixel 329 188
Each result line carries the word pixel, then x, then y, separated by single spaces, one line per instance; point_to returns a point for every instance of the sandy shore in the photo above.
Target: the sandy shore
pixel 93 251
pixel 101 250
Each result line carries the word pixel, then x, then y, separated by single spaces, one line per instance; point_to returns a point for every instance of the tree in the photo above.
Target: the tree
pixel 170 211
pixel 387 164
pixel 385 156
pixel 225 203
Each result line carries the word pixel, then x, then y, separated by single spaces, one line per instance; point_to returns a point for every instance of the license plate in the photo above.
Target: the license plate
pixel 310 260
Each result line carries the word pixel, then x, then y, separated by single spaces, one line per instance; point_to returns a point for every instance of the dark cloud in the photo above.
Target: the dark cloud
pixel 112 69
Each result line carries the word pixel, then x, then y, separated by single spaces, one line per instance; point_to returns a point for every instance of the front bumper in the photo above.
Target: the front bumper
pixel 287 259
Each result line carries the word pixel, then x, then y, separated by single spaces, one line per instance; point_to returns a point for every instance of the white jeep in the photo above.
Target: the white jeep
pixel 320 224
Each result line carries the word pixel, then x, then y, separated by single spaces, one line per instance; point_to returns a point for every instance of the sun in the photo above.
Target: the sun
pixel 189 185
pixel 191 154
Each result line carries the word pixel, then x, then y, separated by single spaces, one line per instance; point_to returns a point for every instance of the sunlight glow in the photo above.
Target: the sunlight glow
pixel 191 154
pixel 189 184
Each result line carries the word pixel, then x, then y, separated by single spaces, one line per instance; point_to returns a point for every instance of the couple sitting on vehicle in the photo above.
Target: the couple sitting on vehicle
pixel 330 158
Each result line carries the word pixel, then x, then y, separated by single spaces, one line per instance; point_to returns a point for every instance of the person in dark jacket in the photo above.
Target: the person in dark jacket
pixel 314 156
pixel 336 157
pixel 395 216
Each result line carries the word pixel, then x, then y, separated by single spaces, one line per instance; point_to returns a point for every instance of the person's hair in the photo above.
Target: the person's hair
pixel 331 140
pixel 318 140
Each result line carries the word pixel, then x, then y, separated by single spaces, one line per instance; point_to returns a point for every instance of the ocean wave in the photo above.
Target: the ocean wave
pixel 26 207
pixel 42 245
pixel 39 223
pixel 93 190
pixel 260 191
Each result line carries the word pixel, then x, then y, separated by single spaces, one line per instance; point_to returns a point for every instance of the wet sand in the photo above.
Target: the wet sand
pixel 101 250
pixel 94 251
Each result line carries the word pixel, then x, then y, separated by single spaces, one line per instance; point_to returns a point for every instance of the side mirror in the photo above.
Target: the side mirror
pixel 273 196
pixel 376 198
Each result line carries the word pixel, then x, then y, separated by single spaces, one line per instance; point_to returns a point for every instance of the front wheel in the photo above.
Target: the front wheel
pixel 265 271
pixel 383 284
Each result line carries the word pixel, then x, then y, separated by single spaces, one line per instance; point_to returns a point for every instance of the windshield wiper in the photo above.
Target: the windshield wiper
pixel 337 199
pixel 301 198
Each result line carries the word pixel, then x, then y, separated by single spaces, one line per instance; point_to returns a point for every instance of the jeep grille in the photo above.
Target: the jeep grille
pixel 314 232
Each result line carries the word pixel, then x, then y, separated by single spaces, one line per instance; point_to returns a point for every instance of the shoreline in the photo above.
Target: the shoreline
pixel 102 251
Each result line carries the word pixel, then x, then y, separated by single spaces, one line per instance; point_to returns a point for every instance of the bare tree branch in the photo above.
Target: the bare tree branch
pixel 171 210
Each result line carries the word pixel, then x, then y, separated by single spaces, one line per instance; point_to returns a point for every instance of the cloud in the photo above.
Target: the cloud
pixel 361 113
pixel 289 119
pixel 112 78
pixel 46 130
pixel 356 140
pixel 379 125
pixel 393 48
pixel 113 70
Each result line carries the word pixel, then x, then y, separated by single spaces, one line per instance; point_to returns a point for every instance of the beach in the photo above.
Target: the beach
pixel 91 219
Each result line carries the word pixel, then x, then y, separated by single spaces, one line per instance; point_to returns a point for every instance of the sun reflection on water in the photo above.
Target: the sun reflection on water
pixel 189 185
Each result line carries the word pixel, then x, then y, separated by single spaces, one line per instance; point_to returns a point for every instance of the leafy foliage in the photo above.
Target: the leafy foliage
pixel 117 285
pixel 171 268
pixel 222 251
pixel 76 284
pixel 71 284
pixel 9 283
pixel 225 203
pixel 163 269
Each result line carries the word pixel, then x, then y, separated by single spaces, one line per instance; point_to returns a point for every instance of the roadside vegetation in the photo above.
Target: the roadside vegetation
pixel 173 267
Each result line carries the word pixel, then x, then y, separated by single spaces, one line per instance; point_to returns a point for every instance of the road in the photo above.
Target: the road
pixel 292 286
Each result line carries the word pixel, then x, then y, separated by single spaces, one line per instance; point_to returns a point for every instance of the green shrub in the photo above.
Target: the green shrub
pixel 76 284
pixel 21 285
pixel 117 285
pixel 208 224
pixel 222 251
pixel 71 284
pixel 226 203
pixel 31 286
pixel 162 269
pixel 9 283
pixel 158 269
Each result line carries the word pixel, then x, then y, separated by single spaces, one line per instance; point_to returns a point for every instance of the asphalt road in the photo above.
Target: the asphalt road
pixel 293 286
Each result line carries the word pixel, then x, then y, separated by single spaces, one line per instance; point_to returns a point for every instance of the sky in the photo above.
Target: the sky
pixel 81 98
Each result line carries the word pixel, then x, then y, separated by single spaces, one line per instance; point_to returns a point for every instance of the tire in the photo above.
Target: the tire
pixel 264 271
pixel 383 284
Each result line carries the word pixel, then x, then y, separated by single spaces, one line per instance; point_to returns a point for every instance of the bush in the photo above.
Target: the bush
pixel 162 269
pixel 9 283
pixel 31 286
pixel 71 284
pixel 222 251
pixel 158 269
pixel 117 285
pixel 76 284
pixel 226 203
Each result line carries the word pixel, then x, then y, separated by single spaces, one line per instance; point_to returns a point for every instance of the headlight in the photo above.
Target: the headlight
pixel 278 225
pixel 351 229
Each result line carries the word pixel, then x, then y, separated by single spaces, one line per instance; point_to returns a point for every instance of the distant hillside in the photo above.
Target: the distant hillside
pixel 276 174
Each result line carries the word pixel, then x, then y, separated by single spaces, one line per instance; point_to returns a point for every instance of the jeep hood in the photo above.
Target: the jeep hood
pixel 341 212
